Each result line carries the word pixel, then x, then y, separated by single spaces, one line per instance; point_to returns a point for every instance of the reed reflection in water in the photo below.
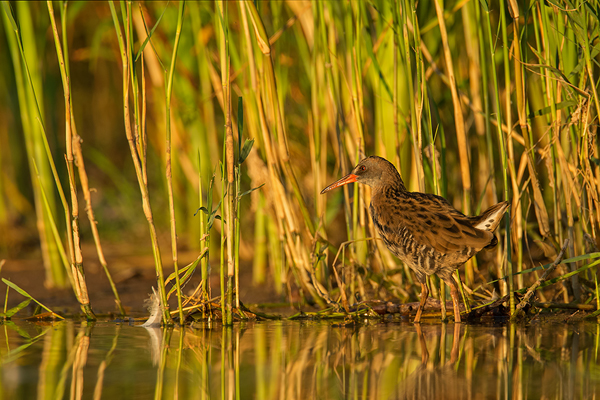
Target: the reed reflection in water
pixel 300 360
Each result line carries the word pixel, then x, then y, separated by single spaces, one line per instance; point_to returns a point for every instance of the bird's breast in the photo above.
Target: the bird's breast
pixel 396 234
pixel 405 239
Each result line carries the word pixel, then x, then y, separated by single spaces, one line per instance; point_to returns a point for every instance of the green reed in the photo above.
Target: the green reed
pixel 71 222
pixel 23 51
pixel 168 94
pixel 137 147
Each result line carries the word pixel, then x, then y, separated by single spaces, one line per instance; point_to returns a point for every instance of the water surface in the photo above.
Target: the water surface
pixel 299 360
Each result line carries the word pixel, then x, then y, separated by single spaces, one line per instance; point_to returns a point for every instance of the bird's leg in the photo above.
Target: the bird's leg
pixel 423 296
pixel 454 294
pixel 455 342
pixel 424 352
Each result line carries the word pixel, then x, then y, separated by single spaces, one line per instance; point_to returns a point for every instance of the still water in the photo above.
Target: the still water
pixel 300 360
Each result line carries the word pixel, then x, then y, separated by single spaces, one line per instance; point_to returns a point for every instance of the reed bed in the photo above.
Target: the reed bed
pixel 241 112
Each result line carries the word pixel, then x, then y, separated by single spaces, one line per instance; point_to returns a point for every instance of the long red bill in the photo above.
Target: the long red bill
pixel 345 180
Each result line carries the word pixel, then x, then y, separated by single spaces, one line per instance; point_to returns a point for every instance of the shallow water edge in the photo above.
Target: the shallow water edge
pixel 300 360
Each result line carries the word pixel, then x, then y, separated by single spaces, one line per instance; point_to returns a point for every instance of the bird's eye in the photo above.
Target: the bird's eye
pixel 363 168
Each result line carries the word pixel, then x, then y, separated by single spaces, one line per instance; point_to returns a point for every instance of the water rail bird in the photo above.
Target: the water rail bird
pixel 423 229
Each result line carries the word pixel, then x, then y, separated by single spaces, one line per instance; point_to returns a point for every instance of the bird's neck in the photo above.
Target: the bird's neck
pixel 390 188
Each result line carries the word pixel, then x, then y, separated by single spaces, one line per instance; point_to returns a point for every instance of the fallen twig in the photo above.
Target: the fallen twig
pixel 525 300
pixel 568 306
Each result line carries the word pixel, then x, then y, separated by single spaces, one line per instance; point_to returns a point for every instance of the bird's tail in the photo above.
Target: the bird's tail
pixel 490 218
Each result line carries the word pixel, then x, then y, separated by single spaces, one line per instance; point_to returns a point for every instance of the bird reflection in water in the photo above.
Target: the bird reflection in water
pixel 437 378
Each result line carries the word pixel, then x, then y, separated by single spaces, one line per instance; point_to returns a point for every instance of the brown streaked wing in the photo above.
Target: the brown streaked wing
pixel 440 226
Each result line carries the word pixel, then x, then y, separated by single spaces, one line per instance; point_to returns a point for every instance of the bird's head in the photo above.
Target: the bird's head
pixel 373 171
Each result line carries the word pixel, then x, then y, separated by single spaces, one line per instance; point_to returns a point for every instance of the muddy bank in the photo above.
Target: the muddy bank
pixel 133 274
